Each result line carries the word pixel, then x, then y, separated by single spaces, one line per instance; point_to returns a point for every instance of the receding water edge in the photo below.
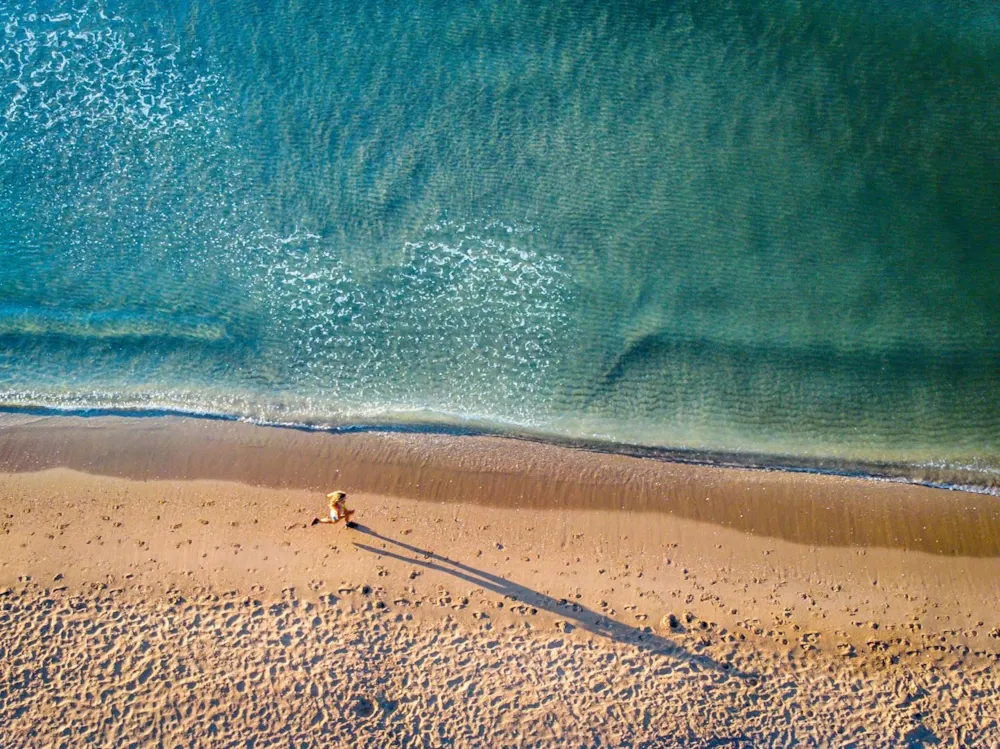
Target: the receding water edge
pixel 971 480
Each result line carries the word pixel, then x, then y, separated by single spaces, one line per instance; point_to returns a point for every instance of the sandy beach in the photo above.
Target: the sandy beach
pixel 161 583
pixel 655 347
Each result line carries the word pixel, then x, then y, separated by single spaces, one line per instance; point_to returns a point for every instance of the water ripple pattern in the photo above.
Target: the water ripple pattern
pixel 739 228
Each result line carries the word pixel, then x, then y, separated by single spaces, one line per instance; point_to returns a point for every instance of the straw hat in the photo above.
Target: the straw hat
pixel 336 495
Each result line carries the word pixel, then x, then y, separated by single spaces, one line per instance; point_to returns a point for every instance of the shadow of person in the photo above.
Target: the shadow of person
pixel 591 621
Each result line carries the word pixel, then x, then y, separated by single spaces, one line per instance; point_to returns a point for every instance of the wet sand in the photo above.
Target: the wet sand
pixel 160 581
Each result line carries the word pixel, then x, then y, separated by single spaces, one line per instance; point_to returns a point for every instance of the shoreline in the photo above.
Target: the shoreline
pixel 806 508
pixel 953 478
pixel 161 578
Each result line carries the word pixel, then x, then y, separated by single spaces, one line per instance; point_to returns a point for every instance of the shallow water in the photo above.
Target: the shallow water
pixel 726 227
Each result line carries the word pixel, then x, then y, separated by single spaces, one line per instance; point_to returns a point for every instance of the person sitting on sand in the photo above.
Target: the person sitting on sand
pixel 338 510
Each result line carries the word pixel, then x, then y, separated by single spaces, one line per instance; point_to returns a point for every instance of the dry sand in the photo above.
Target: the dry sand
pixel 161 584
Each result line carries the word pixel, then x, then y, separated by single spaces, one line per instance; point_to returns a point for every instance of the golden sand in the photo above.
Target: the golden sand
pixel 161 582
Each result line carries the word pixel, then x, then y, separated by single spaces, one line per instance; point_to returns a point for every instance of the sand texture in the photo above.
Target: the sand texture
pixel 194 610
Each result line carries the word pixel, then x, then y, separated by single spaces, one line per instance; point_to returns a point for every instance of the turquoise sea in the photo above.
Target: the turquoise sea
pixel 745 230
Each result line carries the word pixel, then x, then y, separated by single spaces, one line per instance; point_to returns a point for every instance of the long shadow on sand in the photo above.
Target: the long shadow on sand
pixel 582 617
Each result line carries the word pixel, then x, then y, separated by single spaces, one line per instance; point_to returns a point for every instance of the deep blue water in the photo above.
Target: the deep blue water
pixel 741 227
